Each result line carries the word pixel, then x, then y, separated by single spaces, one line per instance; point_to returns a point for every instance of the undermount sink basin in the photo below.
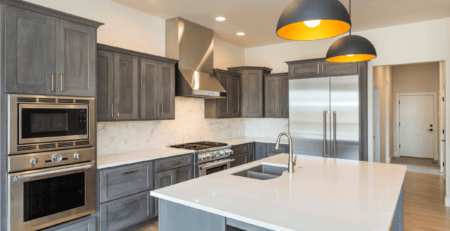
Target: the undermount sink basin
pixel 262 172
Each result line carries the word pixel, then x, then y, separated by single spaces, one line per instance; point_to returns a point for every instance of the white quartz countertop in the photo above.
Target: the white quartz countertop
pixel 114 160
pixel 323 194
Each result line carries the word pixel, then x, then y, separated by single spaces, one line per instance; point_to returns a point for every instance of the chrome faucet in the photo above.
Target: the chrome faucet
pixel 292 160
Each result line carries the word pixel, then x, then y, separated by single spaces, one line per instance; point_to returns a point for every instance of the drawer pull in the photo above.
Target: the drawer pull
pixel 176 163
pixel 129 203
pixel 126 173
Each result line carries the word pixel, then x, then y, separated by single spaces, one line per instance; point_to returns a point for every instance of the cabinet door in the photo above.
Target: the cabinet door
pixel 149 89
pixel 283 94
pixel 166 178
pixel 105 85
pixel 234 96
pixel 30 52
pixel 260 151
pixel 251 153
pixel 252 94
pixel 222 104
pixel 166 84
pixel 76 54
pixel 125 87
pixel 340 68
pixel 305 69
pixel 243 159
pixel 185 174
pixel 272 107
pixel 271 151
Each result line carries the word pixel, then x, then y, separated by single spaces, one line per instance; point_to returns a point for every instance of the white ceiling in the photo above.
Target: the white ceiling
pixel 258 18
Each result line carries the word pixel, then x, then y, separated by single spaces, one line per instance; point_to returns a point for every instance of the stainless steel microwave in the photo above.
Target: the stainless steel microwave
pixel 46 123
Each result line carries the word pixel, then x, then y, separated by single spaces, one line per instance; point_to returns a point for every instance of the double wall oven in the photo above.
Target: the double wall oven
pixel 51 160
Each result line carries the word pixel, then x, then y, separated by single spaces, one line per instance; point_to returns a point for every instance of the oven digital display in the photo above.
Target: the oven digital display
pixel 53 195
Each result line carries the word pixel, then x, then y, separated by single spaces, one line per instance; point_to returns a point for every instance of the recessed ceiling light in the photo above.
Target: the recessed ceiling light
pixel 240 33
pixel 220 19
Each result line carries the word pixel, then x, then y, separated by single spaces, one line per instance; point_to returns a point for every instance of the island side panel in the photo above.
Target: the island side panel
pixel 235 225
pixel 397 223
pixel 176 217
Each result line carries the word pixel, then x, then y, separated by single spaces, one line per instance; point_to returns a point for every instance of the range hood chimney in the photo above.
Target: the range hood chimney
pixel 193 46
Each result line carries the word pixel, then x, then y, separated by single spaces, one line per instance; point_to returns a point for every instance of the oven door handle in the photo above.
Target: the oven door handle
pixel 32 175
pixel 206 166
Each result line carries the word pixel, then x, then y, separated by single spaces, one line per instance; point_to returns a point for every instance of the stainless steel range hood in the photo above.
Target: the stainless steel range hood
pixel 193 46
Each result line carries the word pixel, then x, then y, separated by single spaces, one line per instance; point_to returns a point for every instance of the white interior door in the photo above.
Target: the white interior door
pixel 417 128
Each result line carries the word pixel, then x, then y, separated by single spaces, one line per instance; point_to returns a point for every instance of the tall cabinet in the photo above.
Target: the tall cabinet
pixel 134 86
pixel 252 90
pixel 49 54
pixel 276 95
pixel 229 107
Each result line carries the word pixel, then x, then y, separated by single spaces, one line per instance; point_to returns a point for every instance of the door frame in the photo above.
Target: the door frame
pixel 435 119
pixel 376 125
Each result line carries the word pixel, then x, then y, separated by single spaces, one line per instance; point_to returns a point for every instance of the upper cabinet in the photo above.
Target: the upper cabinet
pixel 276 88
pixel 252 90
pixel 229 107
pixel 320 67
pixel 133 86
pixel 48 52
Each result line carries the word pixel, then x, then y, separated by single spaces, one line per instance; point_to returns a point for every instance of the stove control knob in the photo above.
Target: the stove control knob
pixel 217 154
pixel 76 156
pixel 33 161
pixel 208 156
pixel 56 158
pixel 222 153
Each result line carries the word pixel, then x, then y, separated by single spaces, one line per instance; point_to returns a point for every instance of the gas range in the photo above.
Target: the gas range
pixel 210 157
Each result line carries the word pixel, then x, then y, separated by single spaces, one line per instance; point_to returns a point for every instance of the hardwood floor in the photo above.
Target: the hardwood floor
pixel 418 164
pixel 424 209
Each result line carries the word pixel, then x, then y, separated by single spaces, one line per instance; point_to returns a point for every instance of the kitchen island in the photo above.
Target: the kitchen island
pixel 322 194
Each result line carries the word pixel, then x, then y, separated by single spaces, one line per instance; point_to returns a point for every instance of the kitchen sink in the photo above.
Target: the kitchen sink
pixel 262 172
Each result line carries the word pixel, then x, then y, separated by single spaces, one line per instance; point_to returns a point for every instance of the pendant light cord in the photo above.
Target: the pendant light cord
pixel 350 11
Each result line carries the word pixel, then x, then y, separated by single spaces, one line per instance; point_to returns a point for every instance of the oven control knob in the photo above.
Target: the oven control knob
pixel 208 156
pixel 222 153
pixel 217 154
pixel 33 161
pixel 76 156
pixel 56 158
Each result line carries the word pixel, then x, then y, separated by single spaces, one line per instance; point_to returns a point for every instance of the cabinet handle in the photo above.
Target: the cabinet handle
pixel 176 163
pixel 118 113
pixel 126 173
pixel 112 110
pixel 62 83
pixel 129 203
pixel 53 81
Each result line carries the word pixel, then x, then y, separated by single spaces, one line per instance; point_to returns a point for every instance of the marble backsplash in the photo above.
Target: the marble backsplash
pixel 189 126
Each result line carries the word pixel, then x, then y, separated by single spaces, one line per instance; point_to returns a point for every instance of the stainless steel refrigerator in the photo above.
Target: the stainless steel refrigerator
pixel 324 116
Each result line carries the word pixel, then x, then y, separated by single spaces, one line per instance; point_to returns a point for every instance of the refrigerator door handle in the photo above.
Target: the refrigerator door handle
pixel 334 134
pixel 325 133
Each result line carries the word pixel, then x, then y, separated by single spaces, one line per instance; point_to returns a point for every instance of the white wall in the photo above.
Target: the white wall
pixel 227 55
pixel 410 43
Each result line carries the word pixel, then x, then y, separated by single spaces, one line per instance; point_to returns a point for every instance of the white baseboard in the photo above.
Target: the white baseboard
pixel 447 202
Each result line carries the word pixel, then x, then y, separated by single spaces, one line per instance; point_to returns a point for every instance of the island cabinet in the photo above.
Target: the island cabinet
pixel 134 86
pixel 276 88
pixel 252 90
pixel 229 107
pixel 48 52
pixel 320 67
pixel 264 150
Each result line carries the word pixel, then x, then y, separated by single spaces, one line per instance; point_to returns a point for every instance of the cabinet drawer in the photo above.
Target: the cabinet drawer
pixel 123 181
pixel 125 212
pixel 271 151
pixel 243 148
pixel 173 162
pixel 340 68
pixel 85 225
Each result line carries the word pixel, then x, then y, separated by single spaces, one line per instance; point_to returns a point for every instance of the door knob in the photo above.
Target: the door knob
pixel 431 130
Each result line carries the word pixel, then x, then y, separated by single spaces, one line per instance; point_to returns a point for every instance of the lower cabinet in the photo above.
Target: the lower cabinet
pixel 251 153
pixel 260 151
pixel 126 212
pixel 271 151
pixel 264 150
pixel 84 225
pixel 240 159
pixel 171 177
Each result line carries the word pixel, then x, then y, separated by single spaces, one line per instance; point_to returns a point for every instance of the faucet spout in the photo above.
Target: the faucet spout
pixel 292 161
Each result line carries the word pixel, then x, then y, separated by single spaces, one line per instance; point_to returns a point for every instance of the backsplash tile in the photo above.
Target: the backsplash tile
pixel 189 126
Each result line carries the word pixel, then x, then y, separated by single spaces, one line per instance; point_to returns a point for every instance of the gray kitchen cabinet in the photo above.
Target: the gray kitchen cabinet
pixel 83 225
pixel 174 176
pixel 76 47
pixel 252 90
pixel 310 68
pixel 251 153
pixel 173 162
pixel 260 151
pixel 271 151
pixel 125 87
pixel 48 55
pixel 231 106
pixel 185 174
pixel 240 159
pixel 126 212
pixel 134 86
pixel 276 87
pixel 124 181
pixel 332 69
pixel 105 85
pixel 157 90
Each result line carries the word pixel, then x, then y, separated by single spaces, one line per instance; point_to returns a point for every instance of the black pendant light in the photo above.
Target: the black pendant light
pixel 352 48
pixel 313 20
